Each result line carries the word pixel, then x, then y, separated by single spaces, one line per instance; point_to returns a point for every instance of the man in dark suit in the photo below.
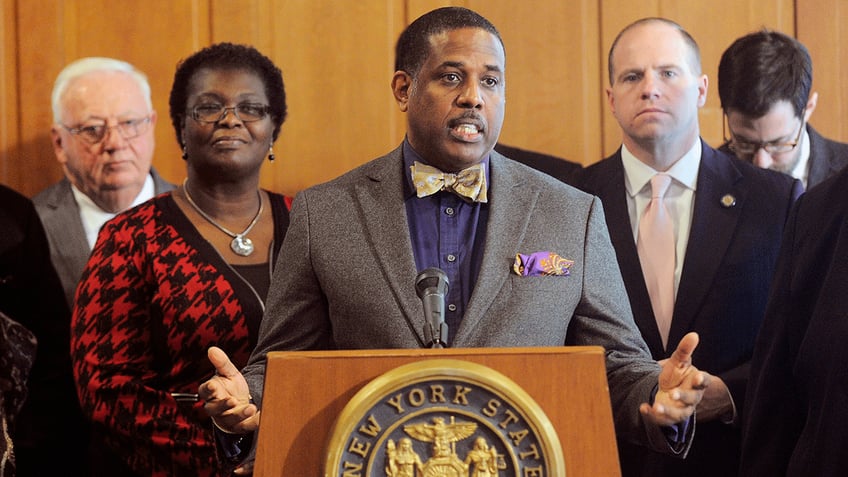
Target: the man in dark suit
pixel 796 422
pixel 556 167
pixel 726 218
pixel 764 82
pixel 102 134
pixel 387 220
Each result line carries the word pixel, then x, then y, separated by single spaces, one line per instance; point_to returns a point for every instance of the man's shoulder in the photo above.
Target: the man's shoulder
pixel 596 176
pixel 831 194
pixel 53 196
pixel 160 185
pixel 527 179
pixel 827 156
pixel 376 173
pixel 380 168
pixel 558 167
pixel 768 193
pixel 831 144
pixel 603 165
pixel 821 214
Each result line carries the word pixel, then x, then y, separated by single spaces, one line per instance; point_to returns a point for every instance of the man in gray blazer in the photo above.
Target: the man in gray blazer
pixel 102 135
pixel 764 81
pixel 356 244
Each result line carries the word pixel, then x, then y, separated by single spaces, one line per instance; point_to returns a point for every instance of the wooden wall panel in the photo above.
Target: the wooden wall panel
pixel 553 72
pixel 39 60
pixel 151 34
pixel 8 94
pixel 337 60
pixel 821 27
pixel 714 24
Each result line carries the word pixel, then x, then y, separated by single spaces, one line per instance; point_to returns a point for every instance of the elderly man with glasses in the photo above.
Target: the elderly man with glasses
pixel 765 83
pixel 102 135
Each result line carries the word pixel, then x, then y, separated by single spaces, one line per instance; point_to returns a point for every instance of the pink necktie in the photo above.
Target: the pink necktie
pixel 656 253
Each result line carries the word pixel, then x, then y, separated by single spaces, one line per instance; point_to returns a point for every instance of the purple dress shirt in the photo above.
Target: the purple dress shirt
pixel 447 233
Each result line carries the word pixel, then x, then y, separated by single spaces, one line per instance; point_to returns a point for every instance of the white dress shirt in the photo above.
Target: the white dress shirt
pixel 679 199
pixel 93 217
pixel 801 170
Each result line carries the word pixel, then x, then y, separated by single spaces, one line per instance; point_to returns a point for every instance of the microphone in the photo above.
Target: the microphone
pixel 431 285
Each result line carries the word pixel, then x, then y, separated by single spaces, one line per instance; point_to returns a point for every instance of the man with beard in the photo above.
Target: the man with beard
pixel 764 82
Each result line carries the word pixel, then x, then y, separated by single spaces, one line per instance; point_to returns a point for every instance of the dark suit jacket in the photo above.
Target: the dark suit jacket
pixel 69 249
pixel 723 287
pixel 346 273
pixel 49 435
pixel 797 419
pixel 827 157
pixel 557 167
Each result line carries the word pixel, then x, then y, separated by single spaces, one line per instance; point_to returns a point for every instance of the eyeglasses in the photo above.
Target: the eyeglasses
pixel 245 112
pixel 744 148
pixel 94 133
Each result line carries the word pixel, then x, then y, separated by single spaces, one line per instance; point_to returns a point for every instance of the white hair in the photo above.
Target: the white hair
pixel 84 66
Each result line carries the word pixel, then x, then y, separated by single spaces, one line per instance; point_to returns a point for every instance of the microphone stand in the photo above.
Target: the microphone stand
pixel 440 336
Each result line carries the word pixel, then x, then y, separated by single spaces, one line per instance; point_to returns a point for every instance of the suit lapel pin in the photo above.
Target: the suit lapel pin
pixel 728 201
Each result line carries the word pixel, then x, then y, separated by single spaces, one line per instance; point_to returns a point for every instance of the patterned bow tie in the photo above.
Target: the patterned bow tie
pixel 470 183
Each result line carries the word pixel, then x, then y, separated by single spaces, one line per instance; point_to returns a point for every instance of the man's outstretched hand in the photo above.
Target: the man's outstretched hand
pixel 681 386
pixel 226 397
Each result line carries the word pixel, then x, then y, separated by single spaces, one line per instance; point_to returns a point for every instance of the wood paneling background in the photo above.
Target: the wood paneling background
pixel 821 26
pixel 337 59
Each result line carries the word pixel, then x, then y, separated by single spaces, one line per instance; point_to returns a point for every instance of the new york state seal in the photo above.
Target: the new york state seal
pixel 443 418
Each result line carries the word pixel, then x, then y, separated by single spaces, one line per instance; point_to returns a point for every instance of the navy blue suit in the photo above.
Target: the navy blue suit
pixel 727 270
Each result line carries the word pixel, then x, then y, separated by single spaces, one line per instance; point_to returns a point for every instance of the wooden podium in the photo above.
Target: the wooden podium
pixel 306 391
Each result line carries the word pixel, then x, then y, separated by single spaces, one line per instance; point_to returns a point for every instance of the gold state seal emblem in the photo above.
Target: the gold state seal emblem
pixel 443 418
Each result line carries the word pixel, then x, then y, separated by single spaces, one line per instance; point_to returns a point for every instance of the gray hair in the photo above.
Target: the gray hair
pixel 84 66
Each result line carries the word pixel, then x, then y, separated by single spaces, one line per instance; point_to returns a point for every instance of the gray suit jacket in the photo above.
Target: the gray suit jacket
pixel 345 279
pixel 69 250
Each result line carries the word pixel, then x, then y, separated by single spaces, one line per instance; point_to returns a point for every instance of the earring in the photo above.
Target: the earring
pixel 271 156
pixel 185 154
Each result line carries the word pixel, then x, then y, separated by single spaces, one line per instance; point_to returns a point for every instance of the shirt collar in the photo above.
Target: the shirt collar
pixel 637 174
pixel 800 170
pixel 410 156
pixel 148 190
pixel 93 217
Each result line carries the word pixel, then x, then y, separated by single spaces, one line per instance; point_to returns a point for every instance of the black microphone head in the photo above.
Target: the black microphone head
pixel 433 279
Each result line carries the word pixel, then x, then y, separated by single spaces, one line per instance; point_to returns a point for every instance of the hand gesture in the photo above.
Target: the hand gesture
pixel 227 397
pixel 681 386
pixel 717 403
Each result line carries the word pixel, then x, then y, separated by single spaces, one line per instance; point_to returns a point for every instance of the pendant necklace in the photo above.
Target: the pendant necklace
pixel 240 244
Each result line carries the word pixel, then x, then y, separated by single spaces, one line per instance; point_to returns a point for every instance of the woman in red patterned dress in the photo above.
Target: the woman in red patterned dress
pixel 182 272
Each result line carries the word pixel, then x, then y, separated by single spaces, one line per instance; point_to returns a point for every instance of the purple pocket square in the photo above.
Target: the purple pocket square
pixel 541 263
